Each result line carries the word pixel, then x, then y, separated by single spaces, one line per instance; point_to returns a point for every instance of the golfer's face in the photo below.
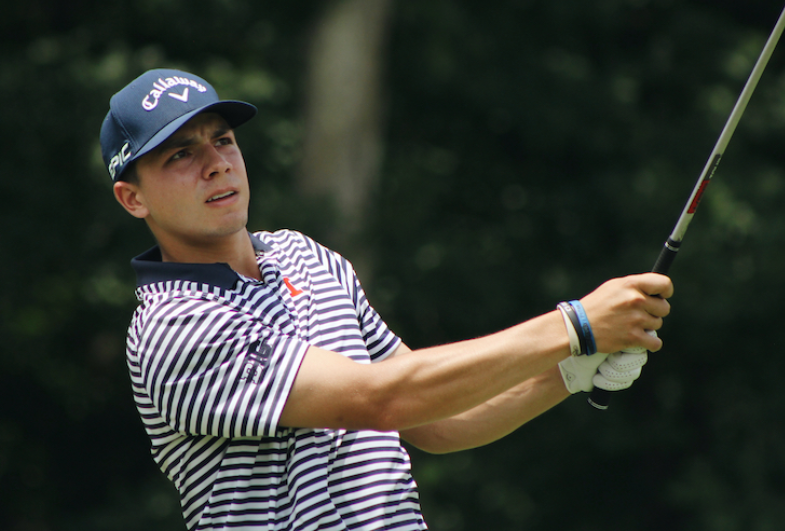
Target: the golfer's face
pixel 194 185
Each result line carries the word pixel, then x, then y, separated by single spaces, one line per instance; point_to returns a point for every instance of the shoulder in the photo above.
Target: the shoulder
pixel 299 245
pixel 286 239
pixel 168 301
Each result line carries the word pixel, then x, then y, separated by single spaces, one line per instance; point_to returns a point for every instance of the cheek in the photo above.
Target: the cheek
pixel 166 201
pixel 238 162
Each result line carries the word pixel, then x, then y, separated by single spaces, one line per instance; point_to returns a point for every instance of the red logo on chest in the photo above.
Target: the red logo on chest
pixel 292 290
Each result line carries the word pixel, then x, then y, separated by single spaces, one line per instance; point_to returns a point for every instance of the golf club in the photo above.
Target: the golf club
pixel 600 398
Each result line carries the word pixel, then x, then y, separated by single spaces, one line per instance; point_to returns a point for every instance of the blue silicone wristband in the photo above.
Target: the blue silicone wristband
pixel 585 327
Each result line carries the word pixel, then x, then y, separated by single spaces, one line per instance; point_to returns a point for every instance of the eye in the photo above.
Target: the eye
pixel 179 155
pixel 224 141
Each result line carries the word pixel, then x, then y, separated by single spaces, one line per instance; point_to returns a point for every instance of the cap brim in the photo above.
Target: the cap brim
pixel 234 112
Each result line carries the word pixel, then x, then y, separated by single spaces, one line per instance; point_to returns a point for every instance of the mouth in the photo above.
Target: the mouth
pixel 222 195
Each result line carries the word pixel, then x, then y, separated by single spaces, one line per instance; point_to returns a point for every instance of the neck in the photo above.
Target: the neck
pixel 235 250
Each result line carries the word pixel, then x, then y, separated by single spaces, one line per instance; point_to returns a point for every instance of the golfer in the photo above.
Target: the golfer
pixel 274 396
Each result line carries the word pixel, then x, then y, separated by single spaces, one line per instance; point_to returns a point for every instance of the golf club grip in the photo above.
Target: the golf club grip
pixel 666 257
pixel 600 398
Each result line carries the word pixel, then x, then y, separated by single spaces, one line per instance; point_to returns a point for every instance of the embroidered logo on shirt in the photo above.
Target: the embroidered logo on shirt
pixel 257 359
pixel 292 290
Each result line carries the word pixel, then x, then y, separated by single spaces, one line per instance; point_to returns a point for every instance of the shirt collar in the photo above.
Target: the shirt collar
pixel 150 268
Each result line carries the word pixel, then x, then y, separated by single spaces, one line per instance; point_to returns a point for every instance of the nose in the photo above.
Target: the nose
pixel 215 163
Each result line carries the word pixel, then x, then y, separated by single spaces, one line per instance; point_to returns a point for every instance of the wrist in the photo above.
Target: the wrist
pixel 585 331
pixel 579 330
pixel 575 344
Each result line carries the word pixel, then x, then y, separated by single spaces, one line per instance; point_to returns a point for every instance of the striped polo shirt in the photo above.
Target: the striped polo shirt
pixel 212 357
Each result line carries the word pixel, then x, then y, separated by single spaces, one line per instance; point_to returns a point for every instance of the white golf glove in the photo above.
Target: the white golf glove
pixel 612 372
pixel 578 371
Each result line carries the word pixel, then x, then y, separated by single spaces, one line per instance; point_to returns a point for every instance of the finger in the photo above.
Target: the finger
pixel 635 350
pixel 626 361
pixel 647 342
pixel 656 306
pixel 648 322
pixel 616 376
pixel 603 383
pixel 655 284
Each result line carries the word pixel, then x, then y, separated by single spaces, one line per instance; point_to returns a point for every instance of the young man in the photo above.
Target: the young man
pixel 274 396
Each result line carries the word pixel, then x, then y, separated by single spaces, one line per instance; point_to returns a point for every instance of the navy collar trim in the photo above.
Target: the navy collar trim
pixel 150 268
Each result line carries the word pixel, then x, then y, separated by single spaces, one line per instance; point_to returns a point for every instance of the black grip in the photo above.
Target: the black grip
pixel 666 257
pixel 600 398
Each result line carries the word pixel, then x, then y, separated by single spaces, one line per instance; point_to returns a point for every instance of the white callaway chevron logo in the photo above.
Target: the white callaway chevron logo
pixel 162 86
pixel 182 97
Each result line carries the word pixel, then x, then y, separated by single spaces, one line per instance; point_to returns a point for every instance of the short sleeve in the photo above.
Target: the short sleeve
pixel 380 341
pixel 211 370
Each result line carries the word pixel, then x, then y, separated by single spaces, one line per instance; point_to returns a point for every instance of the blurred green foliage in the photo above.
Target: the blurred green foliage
pixel 533 150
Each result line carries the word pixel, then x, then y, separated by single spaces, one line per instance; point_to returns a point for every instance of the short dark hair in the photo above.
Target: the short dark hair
pixel 130 175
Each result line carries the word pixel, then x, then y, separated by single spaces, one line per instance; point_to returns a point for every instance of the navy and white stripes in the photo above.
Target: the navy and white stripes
pixel 212 357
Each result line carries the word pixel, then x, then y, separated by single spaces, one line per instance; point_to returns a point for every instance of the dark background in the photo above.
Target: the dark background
pixel 532 150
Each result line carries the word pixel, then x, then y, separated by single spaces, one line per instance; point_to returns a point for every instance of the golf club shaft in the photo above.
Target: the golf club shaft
pixel 600 398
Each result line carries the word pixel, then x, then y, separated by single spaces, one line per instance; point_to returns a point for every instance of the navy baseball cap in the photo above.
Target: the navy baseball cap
pixel 155 105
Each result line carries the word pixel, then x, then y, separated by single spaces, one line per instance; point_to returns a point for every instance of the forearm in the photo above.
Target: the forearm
pixel 492 420
pixel 423 386
pixel 332 391
pixel 449 380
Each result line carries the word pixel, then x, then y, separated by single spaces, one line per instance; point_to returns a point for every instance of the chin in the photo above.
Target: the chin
pixel 231 224
pixel 223 232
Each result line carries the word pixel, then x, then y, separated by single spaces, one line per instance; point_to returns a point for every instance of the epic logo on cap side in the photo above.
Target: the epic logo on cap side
pixel 160 87
pixel 118 160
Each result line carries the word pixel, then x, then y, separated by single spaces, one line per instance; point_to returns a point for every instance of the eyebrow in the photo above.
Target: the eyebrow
pixel 175 141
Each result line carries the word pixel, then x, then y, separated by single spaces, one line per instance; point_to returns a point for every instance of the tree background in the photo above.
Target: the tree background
pixel 478 162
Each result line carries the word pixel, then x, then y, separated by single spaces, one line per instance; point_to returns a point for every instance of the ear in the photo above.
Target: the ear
pixel 130 197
